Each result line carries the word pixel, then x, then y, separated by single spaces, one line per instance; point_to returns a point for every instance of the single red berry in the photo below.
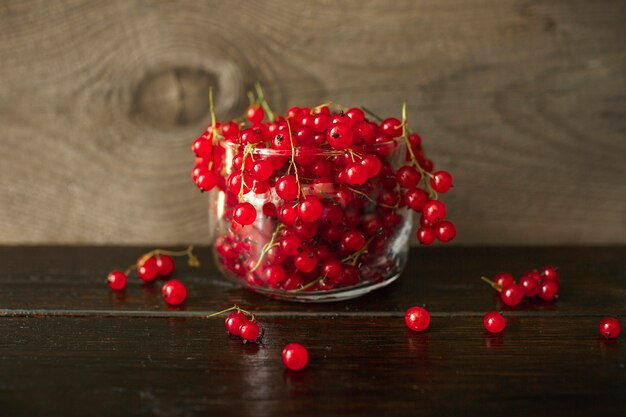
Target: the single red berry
pixel 148 270
pixel 332 269
pixel 434 211
pixel 353 240
pixel 244 213
pixel 441 181
pixel 230 130
pixel 548 290
pixel 234 321
pixel 287 187
pixel 415 199
pixel 494 322
pixel 206 181
pixel 250 331
pixel 255 114
pixel 530 286
pixel 391 127
pixel 287 214
pixel 117 280
pixel 609 328
pixel 174 292
pixel 310 209
pixel 408 177
pixel 417 319
pixel 512 295
pixel 202 147
pixel 321 122
pixel 250 136
pixel 356 174
pixel 445 231
pixel 503 279
pixel 372 165
pixel 165 264
pixel 295 356
pixel 426 235
pixel 262 169
pixel 533 274
pixel 549 273
pixel 339 136
pixel 305 261
pixel 415 140
pixel 274 274
pixel 355 114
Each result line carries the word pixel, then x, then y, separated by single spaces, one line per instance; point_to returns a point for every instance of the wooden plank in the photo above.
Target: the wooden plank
pixel 522 101
pixel 71 280
pixel 359 366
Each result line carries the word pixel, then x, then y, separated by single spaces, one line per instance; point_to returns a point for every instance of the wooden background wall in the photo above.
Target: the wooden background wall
pixel 524 101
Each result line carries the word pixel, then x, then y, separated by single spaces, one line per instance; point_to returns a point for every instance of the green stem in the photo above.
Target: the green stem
pixel 261 97
pixel 491 283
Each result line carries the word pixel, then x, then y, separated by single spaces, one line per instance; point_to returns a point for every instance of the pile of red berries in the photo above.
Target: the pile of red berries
pixel 543 284
pixel 315 199
pixel 156 263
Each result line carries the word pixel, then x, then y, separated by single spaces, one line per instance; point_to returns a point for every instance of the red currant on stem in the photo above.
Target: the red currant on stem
pixel 240 322
pixel 609 328
pixel 502 279
pixel 295 356
pixel 494 322
pixel 548 290
pixel 549 273
pixel 510 294
pixel 417 319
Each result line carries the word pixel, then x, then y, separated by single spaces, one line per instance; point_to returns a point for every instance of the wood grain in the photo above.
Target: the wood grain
pixel 522 100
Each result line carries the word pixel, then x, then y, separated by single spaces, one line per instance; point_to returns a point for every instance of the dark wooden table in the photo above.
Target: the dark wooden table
pixel 70 346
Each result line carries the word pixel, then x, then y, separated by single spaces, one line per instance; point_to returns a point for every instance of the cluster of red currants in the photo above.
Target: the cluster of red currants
pixel 313 195
pixel 243 324
pixel 543 283
pixel 156 263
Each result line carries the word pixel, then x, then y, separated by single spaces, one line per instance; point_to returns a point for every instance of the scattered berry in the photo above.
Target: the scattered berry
pixel 117 280
pixel 174 292
pixel 609 328
pixel 494 322
pixel 250 331
pixel 417 319
pixel 295 356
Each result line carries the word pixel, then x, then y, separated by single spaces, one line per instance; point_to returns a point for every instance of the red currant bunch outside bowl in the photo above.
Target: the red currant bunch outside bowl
pixel 316 205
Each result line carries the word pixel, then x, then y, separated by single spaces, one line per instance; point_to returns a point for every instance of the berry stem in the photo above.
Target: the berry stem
pixel 192 259
pixel 268 246
pixel 263 103
pixel 310 284
pixel 371 113
pixel 492 284
pixel 352 259
pixel 370 199
pixel 293 160
pixel 233 308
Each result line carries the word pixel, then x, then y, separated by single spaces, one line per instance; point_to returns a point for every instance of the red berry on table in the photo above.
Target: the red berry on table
pixel 339 136
pixel 250 331
pixel 434 211
pixel 117 280
pixel 609 328
pixel 417 319
pixel 549 273
pixel 533 274
pixel 512 295
pixel 295 356
pixel 441 181
pixel 234 321
pixel 255 113
pixel 426 235
pixel 445 231
pixel 503 279
pixel 494 322
pixel 408 177
pixel 244 213
pixel 530 286
pixel 287 187
pixel 174 292
pixel 310 209
pixel 148 270
pixel 548 290
pixel 165 264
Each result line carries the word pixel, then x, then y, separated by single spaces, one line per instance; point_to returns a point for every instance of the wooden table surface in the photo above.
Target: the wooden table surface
pixel 71 346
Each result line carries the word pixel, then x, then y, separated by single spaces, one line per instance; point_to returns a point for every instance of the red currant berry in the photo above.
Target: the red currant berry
pixel 549 273
pixel 408 177
pixel 417 319
pixel 503 279
pixel 548 290
pixel 287 214
pixel 321 122
pixel 332 269
pixel 234 321
pixel 353 240
pixel 202 147
pixel 274 274
pixel 287 187
pixel 355 114
pixel 445 231
pixel 339 136
pixel 262 169
pixel 512 295
pixel 290 244
pixel 295 356
pixel 415 140
pixel 148 270
pixel 494 322
pixel 174 292
pixel 441 181
pixel 165 265
pixel 533 274
pixel 117 280
pixel 530 286
pixel 426 235
pixel 244 213
pixel 250 331
pixel 609 328
pixel 206 181
pixel 356 174
pixel 305 261
pixel 255 114
pixel 391 127
pixel 372 165
pixel 416 199
pixel 434 211
pixel 250 136
pixel 230 131
pixel 310 209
